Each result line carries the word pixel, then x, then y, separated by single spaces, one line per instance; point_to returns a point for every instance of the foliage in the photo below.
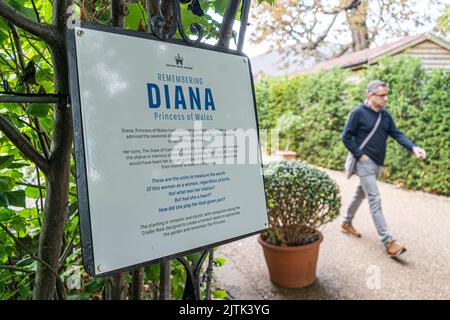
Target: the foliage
pixel 418 101
pixel 22 185
pixel 443 23
pixel 300 199
pixel 289 125
pixel 27 66
pixel 138 18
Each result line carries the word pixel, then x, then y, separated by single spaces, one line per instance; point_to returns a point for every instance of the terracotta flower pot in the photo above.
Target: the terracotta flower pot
pixel 292 267
pixel 286 155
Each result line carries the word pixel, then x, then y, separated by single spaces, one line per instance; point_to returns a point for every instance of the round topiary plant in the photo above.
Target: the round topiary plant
pixel 300 199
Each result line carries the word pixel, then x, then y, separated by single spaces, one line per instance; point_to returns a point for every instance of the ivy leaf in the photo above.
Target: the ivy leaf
pixel 19 224
pixel 238 13
pixel 32 192
pixel 24 291
pixel 39 110
pixel 28 262
pixel 20 88
pixel 19 5
pixel 12 108
pixel 44 75
pixel 194 257
pixel 3 36
pixel 3 25
pixel 220 261
pixel 6 183
pixel 220 6
pixel 27 213
pixel 220 294
pixel 3 200
pixel 15 173
pixel 95 284
pixel 17 165
pixel 134 15
pixel 46 11
pixel 5 214
pixel 152 272
pixel 16 198
pixel 5 161
pixel 79 296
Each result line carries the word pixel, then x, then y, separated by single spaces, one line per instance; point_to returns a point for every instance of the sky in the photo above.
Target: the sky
pixel 253 50
pixel 249 49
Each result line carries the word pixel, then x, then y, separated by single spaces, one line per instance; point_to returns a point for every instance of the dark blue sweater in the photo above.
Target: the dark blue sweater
pixel 361 121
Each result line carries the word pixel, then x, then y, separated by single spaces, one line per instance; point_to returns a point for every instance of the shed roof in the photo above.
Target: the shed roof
pixel 356 59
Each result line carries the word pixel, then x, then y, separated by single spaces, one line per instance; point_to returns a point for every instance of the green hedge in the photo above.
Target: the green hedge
pixel 419 101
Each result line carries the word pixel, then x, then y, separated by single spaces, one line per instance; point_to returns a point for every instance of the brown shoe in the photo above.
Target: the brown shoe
pixel 347 228
pixel 393 249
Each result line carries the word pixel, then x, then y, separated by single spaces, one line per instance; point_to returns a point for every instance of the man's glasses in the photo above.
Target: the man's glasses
pixel 381 95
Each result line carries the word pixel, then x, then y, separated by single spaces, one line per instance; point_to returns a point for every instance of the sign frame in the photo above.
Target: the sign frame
pixel 80 148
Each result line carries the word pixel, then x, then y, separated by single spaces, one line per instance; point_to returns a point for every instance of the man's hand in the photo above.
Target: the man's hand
pixel 419 152
pixel 364 157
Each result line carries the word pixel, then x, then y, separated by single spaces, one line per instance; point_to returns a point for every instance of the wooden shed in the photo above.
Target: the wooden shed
pixel 434 52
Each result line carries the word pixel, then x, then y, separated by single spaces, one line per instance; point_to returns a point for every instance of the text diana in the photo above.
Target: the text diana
pixel 178 97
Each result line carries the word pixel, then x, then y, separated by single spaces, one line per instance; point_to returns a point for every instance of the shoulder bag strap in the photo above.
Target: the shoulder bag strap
pixel 375 127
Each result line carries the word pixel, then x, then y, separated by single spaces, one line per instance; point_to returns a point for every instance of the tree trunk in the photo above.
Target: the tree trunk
pixel 56 200
pixel 118 12
pixel 115 287
pixel 137 288
pixel 165 281
pixel 57 170
pixel 356 20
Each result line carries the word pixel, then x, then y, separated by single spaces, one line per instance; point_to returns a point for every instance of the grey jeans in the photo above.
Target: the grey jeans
pixel 368 171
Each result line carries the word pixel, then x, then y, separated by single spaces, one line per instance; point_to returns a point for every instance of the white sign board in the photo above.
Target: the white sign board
pixel 137 103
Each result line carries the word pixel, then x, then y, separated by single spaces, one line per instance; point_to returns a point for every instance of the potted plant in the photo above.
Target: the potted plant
pixel 288 125
pixel 300 199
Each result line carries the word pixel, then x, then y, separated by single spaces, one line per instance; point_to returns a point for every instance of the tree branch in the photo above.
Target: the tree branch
pixel 16 240
pixel 7 63
pixel 17 47
pixel 13 268
pixel 19 140
pixel 352 5
pixel 69 247
pixel 313 44
pixel 226 29
pixel 343 50
pixel 42 139
pixel 36 11
pixel 42 31
pixel 30 185
pixel 13 55
pixel 39 131
pixel 39 52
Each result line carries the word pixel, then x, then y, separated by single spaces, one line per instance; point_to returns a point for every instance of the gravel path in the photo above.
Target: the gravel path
pixel 351 268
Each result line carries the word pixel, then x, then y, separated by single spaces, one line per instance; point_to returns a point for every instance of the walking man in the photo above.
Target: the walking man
pixel 371 157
